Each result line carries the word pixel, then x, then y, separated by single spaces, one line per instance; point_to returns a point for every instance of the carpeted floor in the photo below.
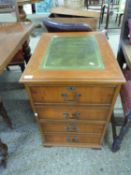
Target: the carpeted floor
pixel 27 156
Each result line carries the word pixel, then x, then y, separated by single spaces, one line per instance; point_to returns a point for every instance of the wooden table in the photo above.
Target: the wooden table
pixel 73 83
pixel 23 2
pixel 72 12
pixel 12 38
pixel 66 15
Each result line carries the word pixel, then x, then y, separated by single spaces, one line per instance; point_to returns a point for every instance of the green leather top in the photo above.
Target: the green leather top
pixel 72 53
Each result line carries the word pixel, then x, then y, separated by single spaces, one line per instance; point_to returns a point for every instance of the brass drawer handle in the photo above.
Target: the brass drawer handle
pixel 71 129
pixel 65 96
pixel 70 139
pixel 76 115
pixel 78 95
pixel 66 114
pixel 71 88
pixel 67 128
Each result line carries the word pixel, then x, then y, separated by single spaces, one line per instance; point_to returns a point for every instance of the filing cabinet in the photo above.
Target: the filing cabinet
pixel 73 99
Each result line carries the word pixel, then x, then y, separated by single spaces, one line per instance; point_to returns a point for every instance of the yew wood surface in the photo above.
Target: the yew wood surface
pixel 98 91
pixel 23 2
pixel 73 12
pixel 82 139
pixel 89 94
pixel 12 38
pixel 86 112
pixel 110 74
pixel 72 126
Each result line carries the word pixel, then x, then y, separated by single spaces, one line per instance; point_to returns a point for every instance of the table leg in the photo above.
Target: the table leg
pixel 5 115
pixel 22 13
pixel 3 154
pixel 26 51
pixel 120 57
pixel 33 8
pixel 124 129
pixel 86 3
pixel 119 22
pixel 107 17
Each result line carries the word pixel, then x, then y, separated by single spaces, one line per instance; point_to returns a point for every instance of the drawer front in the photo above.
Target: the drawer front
pixel 90 95
pixel 72 139
pixel 84 127
pixel 65 112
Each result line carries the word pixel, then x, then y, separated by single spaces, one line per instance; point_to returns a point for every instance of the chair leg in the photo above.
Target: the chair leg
pixel 86 3
pixel 121 58
pixel 113 124
pixel 33 8
pixel 5 115
pixel 117 141
pixel 107 17
pixel 101 16
pixel 119 22
pixel 116 18
pixel 102 13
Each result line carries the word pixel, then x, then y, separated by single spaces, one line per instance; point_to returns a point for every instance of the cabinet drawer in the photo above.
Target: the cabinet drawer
pixel 90 94
pixel 79 127
pixel 63 112
pixel 72 139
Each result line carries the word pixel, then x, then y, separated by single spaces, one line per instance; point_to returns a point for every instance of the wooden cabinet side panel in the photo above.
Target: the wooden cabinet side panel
pixel 30 98
pixel 111 110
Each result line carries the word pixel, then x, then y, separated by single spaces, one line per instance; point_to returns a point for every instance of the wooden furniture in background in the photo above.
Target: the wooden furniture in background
pixel 9 7
pixel 124 60
pixel 120 11
pixel 4 114
pixel 93 5
pixel 75 4
pixel 13 37
pixel 21 3
pixel 109 8
pixel 73 85
pixel 3 154
pixel 62 14
pixel 22 56
pixel 66 12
